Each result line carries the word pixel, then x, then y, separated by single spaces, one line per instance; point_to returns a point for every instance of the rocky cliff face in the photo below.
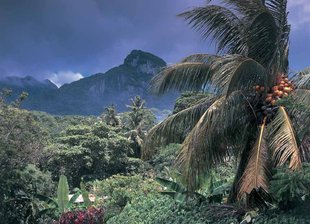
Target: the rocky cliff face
pixel 89 96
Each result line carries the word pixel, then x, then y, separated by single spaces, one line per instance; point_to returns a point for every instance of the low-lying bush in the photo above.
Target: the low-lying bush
pixel 90 216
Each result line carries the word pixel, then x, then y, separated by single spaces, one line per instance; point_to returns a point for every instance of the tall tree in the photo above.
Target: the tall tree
pixel 139 119
pixel 110 116
pixel 246 117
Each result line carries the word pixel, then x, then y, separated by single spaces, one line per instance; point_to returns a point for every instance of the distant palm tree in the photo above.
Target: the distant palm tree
pixel 110 116
pixel 246 118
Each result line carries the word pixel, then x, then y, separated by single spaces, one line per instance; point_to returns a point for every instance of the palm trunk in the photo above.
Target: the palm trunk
pixel 232 198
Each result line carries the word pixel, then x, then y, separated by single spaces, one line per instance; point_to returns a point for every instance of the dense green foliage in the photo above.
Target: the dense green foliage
pixel 117 191
pixel 291 188
pixel 162 209
pixel 36 148
pixel 21 143
pixel 97 151
pixel 165 158
pixel 53 125
pixel 18 201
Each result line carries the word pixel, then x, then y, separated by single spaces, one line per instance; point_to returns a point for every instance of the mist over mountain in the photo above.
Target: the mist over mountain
pixel 90 95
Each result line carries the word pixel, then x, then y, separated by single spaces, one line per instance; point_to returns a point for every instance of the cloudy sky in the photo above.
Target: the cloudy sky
pixel 64 40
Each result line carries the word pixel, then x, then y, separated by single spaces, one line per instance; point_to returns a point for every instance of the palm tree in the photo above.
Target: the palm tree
pixel 246 117
pixel 110 116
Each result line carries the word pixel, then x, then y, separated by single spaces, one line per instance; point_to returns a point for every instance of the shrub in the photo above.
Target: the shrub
pixel 159 209
pixel 21 204
pixel 165 157
pixel 89 216
pixel 117 191
pixel 289 187
pixel 280 217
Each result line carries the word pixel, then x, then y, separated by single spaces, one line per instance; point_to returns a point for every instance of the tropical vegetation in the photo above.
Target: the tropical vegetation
pixel 235 149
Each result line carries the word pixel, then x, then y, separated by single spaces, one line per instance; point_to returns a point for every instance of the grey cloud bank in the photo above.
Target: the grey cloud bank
pixel 65 39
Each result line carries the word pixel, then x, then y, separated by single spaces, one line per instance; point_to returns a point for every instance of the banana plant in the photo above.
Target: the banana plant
pixel 176 187
pixel 55 207
pixel 85 195
pixel 216 188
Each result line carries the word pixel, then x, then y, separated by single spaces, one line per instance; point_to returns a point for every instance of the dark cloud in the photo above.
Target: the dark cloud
pixel 44 38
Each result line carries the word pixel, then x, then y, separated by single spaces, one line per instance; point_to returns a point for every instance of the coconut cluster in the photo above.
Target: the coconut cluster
pixel 283 88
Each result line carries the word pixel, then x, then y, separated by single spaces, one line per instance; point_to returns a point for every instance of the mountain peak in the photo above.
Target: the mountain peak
pixel 144 61
pixel 26 81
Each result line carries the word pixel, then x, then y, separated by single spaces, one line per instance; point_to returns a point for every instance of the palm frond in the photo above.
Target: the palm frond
pixel 247 8
pixel 223 74
pixel 302 96
pixel 206 145
pixel 301 80
pixel 236 110
pixel 278 10
pixel 187 75
pixel 196 156
pixel 203 58
pixel 256 174
pixel 305 147
pixel 247 145
pixel 175 127
pixel 262 39
pixel 299 110
pixel 220 23
pixel 246 75
pixel 235 72
pixel 283 141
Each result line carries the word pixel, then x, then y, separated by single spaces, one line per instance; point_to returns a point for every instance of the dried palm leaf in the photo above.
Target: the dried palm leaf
pixel 256 173
pixel 283 141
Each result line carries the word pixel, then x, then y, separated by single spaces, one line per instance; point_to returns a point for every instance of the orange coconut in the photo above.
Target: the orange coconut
pixel 268 99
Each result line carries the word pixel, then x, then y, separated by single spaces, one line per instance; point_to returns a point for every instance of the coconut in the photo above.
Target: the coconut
pixel 287 89
pixel 280 94
pixel 268 99
pixel 281 86
pixel 275 88
pixel 275 93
